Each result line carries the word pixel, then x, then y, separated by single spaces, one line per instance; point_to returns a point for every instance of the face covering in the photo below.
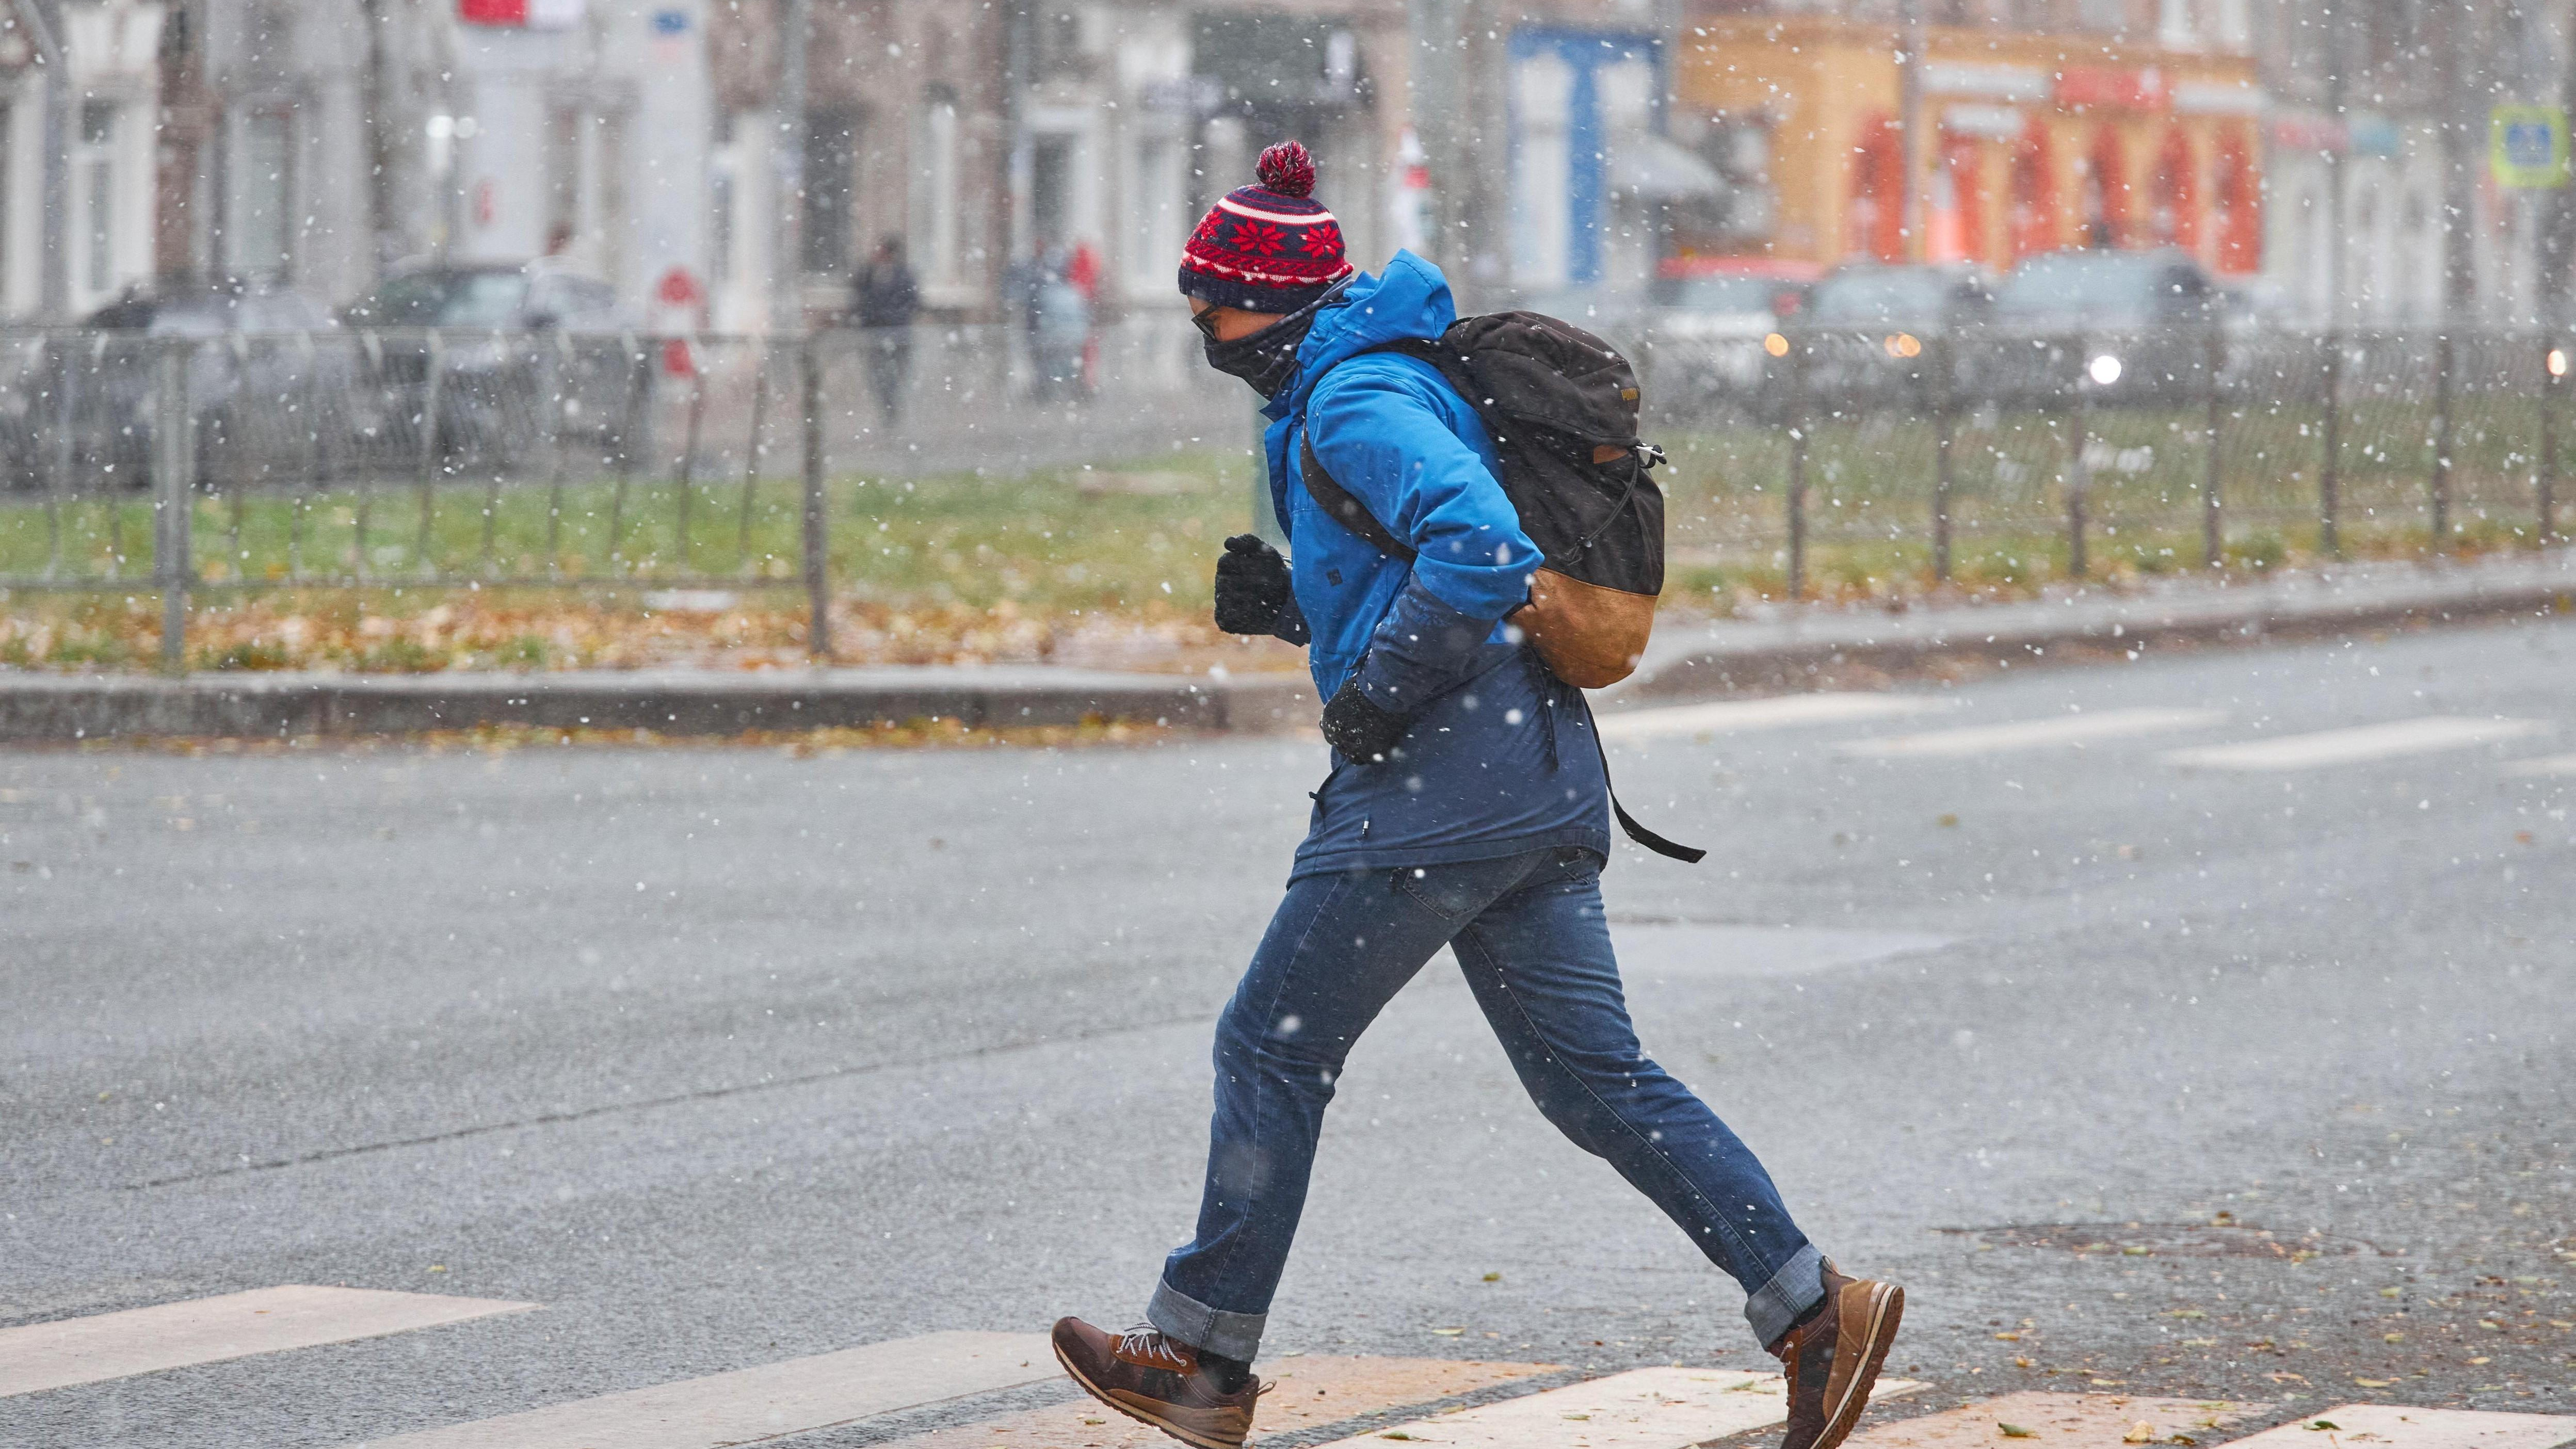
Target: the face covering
pixel 1267 359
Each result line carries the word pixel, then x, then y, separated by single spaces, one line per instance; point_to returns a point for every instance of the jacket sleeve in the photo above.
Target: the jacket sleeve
pixel 1383 434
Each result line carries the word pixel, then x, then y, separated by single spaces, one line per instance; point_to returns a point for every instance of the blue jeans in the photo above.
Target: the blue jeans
pixel 1529 932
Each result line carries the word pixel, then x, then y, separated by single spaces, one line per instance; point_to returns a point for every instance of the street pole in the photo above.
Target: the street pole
pixel 56 283
pixel 1909 82
pixel 787 261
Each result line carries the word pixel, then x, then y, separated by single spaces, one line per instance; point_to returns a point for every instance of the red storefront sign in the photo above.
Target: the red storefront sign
pixel 2115 87
pixel 520 14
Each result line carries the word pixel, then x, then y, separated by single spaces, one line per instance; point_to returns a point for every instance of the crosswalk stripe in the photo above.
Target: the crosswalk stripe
pixel 1306 1392
pixel 2057 1421
pixel 39 1356
pixel 2398 1426
pixel 748 1405
pixel 2357 744
pixel 2545 765
pixel 1737 716
pixel 2069 729
pixel 1654 1408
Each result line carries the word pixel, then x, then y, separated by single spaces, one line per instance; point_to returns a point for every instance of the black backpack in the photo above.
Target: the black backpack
pixel 1562 408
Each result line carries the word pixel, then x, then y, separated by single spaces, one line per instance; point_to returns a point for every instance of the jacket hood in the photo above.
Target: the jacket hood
pixel 1409 299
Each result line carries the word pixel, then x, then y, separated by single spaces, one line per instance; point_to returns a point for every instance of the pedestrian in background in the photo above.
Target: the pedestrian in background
pixel 886 298
pixel 1467 806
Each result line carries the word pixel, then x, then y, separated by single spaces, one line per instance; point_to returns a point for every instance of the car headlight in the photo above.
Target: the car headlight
pixel 2104 369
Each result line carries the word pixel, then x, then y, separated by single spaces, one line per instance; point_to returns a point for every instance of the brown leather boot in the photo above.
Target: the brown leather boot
pixel 1158 1380
pixel 1832 1358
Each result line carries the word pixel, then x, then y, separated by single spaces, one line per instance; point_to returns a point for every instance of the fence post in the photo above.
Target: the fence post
pixel 2553 364
pixel 2079 472
pixel 2329 479
pixel 173 496
pixel 2442 409
pixel 818 584
pixel 1797 500
pixel 1945 369
pixel 2213 527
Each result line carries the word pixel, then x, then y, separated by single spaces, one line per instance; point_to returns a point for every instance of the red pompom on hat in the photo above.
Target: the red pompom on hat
pixel 1267 247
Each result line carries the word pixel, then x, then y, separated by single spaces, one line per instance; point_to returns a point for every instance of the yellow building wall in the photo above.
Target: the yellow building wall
pixel 1820 80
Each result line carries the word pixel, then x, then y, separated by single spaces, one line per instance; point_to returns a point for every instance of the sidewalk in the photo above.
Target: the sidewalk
pixel 1786 649
pixel 1789 650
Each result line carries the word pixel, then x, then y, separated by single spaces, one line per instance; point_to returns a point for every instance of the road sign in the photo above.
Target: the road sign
pixel 2528 145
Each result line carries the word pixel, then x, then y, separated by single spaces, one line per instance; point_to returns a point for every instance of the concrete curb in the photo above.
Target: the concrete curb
pixel 1787 652
pixel 69 708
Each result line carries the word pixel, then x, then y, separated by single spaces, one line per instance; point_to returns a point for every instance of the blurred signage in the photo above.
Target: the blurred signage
pixel 521 14
pixel 2114 87
pixel 2527 146
pixel 1994 123
pixel 1984 80
pixel 2309 131
pixel 1183 95
pixel 2374 135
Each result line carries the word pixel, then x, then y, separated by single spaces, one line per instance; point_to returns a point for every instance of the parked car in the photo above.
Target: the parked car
pixel 525 355
pixel 1707 326
pixel 258 386
pixel 2121 326
pixel 1864 327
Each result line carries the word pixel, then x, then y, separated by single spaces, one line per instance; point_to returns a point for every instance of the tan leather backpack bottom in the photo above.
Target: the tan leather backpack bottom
pixel 1587 635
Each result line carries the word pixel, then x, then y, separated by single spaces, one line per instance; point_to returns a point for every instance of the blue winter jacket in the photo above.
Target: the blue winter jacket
pixel 1499 755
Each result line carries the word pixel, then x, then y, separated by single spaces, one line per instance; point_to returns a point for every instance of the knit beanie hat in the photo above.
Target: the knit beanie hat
pixel 1268 247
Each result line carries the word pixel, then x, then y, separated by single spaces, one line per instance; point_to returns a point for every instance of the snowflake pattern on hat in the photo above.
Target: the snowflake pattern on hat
pixel 1268 247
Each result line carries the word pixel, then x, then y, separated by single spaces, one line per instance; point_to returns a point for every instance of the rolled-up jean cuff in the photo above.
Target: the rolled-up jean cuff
pixel 1211 1330
pixel 1775 1307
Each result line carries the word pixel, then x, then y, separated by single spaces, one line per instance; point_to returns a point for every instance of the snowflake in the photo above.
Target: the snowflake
pixel 1259 238
pixel 1323 239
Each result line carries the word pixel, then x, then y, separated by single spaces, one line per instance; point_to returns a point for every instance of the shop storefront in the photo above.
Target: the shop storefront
pixel 2038 142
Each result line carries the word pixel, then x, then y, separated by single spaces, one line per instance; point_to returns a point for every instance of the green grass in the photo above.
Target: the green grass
pixel 1139 540
pixel 1059 540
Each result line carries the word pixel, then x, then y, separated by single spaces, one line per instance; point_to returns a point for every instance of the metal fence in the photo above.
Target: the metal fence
pixel 2018 455
pixel 1804 460
pixel 453 459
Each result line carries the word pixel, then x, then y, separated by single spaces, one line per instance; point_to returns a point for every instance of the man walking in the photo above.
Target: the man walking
pixel 886 299
pixel 1467 807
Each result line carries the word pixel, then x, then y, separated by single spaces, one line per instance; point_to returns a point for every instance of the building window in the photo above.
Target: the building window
pixel 831 173
pixel 1160 222
pixel 8 175
pixel 611 187
pixel 263 239
pixel 938 251
pixel 95 165
pixel 1050 186
pixel 563 179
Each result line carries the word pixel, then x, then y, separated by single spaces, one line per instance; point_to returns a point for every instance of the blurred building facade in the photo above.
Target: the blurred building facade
pixel 2331 151
pixel 2034 140
pixel 95 136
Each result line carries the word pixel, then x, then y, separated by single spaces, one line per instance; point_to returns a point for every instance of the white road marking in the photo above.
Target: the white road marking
pixel 2057 1421
pixel 1690 951
pixel 2395 1426
pixel 2069 729
pixel 749 1405
pixel 1738 716
pixel 1654 1408
pixel 2358 744
pixel 2546 765
pixel 39 1356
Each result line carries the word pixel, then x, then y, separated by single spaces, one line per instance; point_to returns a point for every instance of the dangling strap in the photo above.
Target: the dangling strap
pixel 1686 854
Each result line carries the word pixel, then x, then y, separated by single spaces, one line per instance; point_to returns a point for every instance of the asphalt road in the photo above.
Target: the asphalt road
pixel 727 1056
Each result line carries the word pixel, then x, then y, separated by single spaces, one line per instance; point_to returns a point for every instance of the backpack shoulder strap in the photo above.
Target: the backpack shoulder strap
pixel 1341 503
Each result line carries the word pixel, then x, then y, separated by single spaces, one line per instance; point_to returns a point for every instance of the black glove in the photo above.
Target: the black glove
pixel 1251 586
pixel 1359 729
